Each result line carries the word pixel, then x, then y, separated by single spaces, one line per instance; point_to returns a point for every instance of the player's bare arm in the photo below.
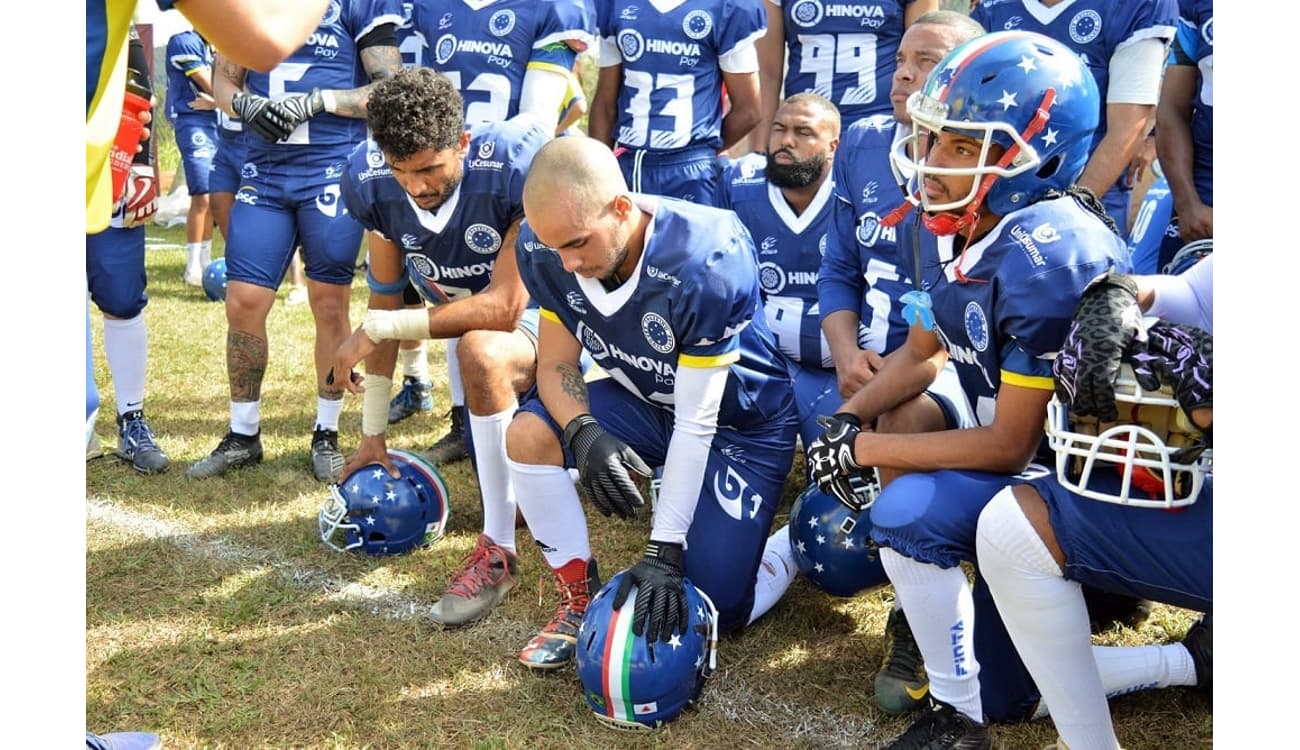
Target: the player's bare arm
pixel 903 375
pixel 228 79
pixel 564 395
pixel 604 105
pixel 380 62
pixel 1175 148
pixel 1126 128
pixel 771 68
pixel 746 107
pixel 497 308
pixel 854 366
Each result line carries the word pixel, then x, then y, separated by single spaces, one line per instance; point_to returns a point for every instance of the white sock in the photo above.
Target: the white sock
pixel 245 417
pixel 1048 622
pixel 1129 669
pixel 489 435
pixel 551 507
pixel 454 386
pixel 205 254
pixel 776 572
pixel 327 413
pixel 126 346
pixel 941 612
pixel 192 257
pixel 415 362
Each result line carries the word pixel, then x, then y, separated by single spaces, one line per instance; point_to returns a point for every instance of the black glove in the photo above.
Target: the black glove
pixel 660 595
pixel 603 461
pixel 1181 357
pixel 1106 323
pixel 261 116
pixel 299 108
pixel 831 464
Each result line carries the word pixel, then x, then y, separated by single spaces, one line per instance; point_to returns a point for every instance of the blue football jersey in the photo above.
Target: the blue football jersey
pixel 186 53
pixel 449 253
pixel 1094 29
pixel 409 40
pixel 1196 40
pixel 327 60
pixel 693 300
pixel 865 269
pixel 486 47
pixel 1023 281
pixel 790 251
pixel 844 51
pixel 671 95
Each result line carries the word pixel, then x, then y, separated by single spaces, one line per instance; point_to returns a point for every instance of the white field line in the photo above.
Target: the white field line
pixel 727 695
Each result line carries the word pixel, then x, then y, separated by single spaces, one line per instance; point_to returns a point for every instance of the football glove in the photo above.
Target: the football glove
pixel 660 607
pixel 603 461
pixel 1106 324
pixel 261 116
pixel 831 464
pixel 300 108
pixel 1181 357
pixel 140 196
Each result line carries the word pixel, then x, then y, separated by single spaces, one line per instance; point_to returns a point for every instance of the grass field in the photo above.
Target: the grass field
pixel 215 617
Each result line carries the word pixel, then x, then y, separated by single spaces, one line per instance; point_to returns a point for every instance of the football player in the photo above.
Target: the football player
pixel 115 275
pixel 1005 245
pixel 507 58
pixel 1123 44
pixel 664 296
pixel 190 109
pixel 659 94
pixel 843 51
pixel 1038 542
pixel 863 279
pixel 305 117
pixel 1185 138
pixel 441 202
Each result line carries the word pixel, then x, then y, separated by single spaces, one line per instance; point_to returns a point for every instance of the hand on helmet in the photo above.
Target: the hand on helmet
pixel 660 607
pixel 1106 324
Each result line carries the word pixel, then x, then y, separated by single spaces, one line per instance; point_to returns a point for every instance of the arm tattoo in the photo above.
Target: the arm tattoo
pixel 233 72
pixel 380 63
pixel 572 383
pixel 246 356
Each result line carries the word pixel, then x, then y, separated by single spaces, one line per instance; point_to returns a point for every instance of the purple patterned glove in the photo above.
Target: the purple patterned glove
pixel 1106 324
pixel 1181 357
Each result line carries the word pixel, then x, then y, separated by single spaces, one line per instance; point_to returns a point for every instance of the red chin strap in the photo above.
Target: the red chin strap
pixel 945 224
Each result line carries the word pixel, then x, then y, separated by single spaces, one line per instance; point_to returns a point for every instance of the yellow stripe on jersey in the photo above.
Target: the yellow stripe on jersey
pixel 1037 382
pixel 716 360
pixel 540 65
pixel 105 112
pixel 547 314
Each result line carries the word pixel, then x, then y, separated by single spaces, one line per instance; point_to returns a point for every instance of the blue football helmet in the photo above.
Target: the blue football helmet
pixel 1020 90
pixel 832 544
pixel 382 515
pixel 632 684
pixel 1189 255
pixel 214 280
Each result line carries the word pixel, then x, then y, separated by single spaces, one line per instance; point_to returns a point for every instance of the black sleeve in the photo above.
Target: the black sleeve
pixel 384 35
pixel 137 72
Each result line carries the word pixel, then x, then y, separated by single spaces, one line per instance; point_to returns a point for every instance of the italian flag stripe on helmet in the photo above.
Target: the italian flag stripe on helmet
pixel 617 658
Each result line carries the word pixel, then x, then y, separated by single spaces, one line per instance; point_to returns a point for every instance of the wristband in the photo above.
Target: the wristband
pixel 327 98
pixel 374 404
pixel 400 325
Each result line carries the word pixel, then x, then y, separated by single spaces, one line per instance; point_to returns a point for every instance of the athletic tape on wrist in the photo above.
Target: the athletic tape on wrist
pixel 402 325
pixel 374 404
pixel 327 98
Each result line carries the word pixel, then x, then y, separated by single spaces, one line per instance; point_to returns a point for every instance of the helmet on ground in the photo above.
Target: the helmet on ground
pixel 371 510
pixel 214 280
pixel 1020 90
pixel 632 684
pixel 832 545
pixel 1153 457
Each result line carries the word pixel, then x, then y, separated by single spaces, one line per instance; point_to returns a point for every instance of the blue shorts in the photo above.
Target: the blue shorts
pixel 196 139
pixel 227 167
pixel 690 174
pixel 115 271
pixel 743 481
pixel 1166 556
pixel 816 392
pixel 292 202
